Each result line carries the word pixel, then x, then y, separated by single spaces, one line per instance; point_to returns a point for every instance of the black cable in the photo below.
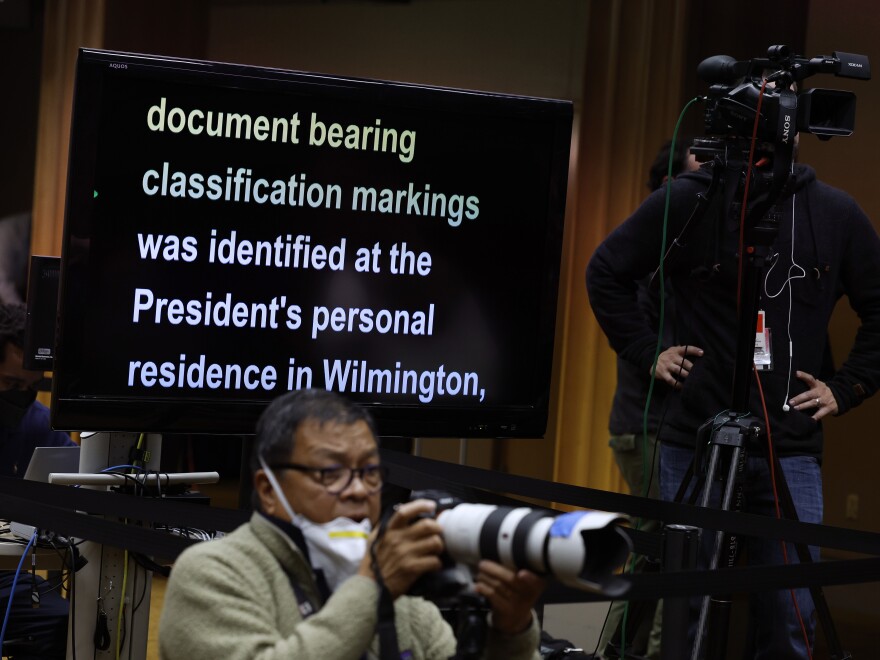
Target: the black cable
pixel 72 592
pixel 655 452
pixel 143 592
pixel 602 630
pixel 134 606
pixel 101 637
pixel 149 565
pixel 144 476
pixel 127 477
pixel 58 585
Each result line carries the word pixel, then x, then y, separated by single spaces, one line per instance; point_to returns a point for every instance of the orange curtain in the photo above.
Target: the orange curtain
pixel 631 98
pixel 69 25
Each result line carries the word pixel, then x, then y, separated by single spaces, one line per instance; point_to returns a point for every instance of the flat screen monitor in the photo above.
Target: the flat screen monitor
pixel 42 305
pixel 235 232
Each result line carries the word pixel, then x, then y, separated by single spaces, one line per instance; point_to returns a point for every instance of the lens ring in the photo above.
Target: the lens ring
pixel 521 535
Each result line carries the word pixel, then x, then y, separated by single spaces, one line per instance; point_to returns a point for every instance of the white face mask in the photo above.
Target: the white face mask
pixel 336 547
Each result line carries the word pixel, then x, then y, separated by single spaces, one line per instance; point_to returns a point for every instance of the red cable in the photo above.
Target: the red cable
pixel 771 462
pixel 742 214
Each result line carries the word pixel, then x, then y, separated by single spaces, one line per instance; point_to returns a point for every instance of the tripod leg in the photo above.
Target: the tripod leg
pixel 709 478
pixel 715 609
pixel 679 553
pixel 823 612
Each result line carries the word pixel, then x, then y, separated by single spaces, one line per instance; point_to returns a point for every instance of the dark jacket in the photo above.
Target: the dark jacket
pixel 633 383
pixel 839 252
pixel 17 445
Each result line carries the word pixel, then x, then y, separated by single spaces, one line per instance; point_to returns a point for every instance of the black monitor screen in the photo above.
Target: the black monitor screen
pixel 42 306
pixel 235 232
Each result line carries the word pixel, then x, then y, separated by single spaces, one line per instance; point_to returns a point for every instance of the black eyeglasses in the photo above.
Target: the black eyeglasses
pixel 337 478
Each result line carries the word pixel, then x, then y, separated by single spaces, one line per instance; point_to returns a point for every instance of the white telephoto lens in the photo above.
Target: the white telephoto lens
pixel 461 530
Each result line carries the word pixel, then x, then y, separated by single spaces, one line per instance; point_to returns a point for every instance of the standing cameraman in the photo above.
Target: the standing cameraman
pixel 825 248
pixel 298 580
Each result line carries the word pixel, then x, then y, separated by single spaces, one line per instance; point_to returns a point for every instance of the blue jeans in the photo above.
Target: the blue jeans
pixel 777 633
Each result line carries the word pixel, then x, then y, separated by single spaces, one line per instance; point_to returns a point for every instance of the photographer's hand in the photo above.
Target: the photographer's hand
pixel 673 365
pixel 511 594
pixel 818 397
pixel 409 547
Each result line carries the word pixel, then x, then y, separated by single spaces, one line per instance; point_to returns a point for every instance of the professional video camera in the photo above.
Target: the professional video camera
pixel 581 549
pixel 738 96
pixel 733 98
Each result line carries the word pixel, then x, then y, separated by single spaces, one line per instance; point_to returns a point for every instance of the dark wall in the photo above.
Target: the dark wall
pixel 744 30
pixel 181 28
pixel 178 28
pixel 21 41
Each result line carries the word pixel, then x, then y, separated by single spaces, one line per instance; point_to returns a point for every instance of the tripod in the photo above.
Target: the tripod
pixel 727 435
pixel 727 443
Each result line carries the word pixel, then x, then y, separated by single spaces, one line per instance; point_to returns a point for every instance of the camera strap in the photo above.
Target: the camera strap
pixel 389 649
pixel 306 606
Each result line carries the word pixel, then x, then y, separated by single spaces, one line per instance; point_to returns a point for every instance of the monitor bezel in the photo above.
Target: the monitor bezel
pixel 198 415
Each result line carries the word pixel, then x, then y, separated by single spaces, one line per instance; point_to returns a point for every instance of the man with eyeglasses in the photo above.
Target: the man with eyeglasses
pixel 302 578
pixel 32 631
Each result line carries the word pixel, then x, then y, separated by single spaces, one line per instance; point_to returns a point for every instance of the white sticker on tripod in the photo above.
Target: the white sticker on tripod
pixel 763 347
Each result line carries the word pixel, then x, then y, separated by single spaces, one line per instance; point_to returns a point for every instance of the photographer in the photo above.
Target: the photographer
pixel 298 580
pixel 825 248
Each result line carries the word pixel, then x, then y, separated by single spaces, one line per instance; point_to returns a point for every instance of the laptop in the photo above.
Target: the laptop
pixel 44 461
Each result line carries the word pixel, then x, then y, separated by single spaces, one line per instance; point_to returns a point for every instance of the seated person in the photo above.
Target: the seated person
pixel 33 632
pixel 297 580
